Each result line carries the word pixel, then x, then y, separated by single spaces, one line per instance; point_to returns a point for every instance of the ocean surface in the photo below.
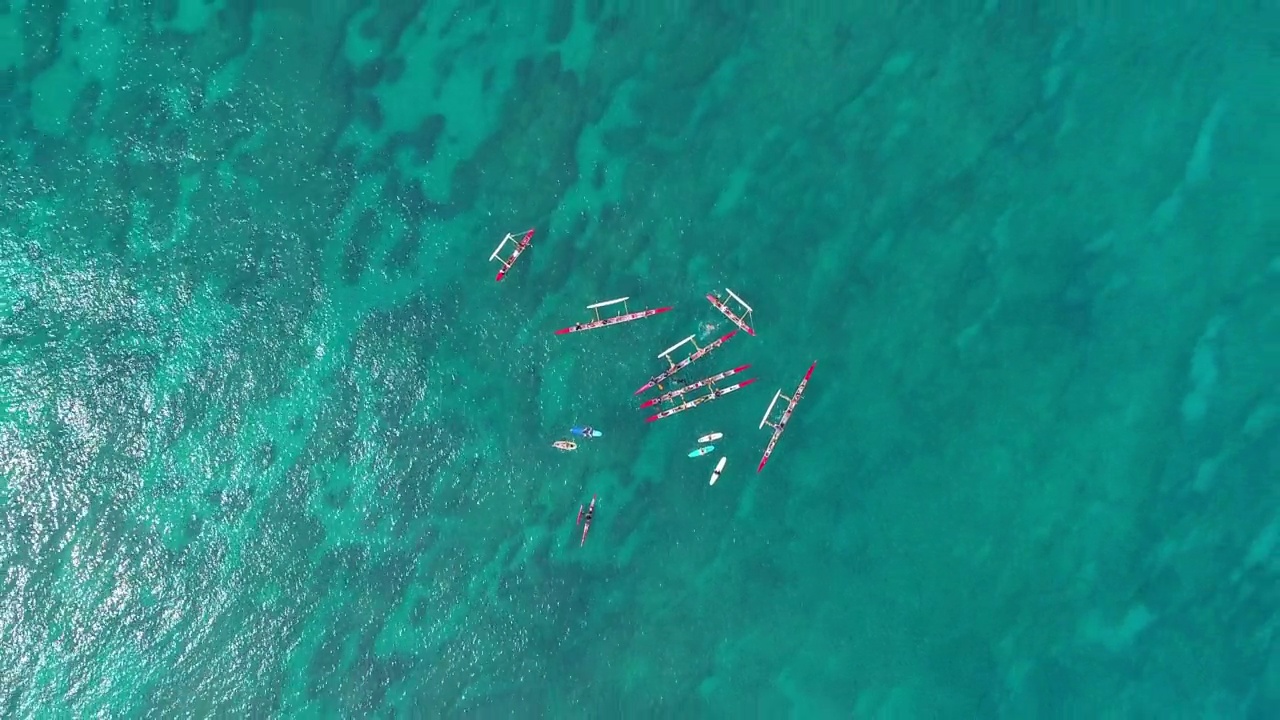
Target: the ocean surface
pixel 275 444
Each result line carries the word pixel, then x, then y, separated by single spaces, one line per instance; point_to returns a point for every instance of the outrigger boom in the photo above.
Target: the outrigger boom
pixel 600 322
pixel 521 246
pixel 674 367
pixel 743 321
pixel 781 425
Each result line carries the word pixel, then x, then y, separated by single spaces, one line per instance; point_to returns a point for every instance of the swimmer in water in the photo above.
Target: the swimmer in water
pixel 677 381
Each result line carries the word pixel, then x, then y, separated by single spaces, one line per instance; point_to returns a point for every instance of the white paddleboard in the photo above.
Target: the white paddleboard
pixel 715 475
pixel 711 437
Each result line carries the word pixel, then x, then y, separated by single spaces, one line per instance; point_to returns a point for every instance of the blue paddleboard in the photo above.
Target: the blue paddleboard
pixel 582 432
pixel 705 449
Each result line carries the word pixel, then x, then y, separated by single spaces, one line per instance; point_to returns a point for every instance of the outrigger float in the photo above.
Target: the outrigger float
pixel 743 320
pixel 674 367
pixel 606 322
pixel 786 415
pixel 690 404
pixel 521 246
pixel 693 386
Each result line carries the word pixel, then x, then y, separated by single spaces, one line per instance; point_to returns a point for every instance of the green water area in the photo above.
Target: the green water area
pixel 274 443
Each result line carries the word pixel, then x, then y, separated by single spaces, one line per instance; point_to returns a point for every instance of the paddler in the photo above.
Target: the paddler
pixel 585 519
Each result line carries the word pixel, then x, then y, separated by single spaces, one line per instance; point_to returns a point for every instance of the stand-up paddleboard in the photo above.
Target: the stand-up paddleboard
pixel 564 445
pixel 705 449
pixel 585 431
pixel 710 438
pixel 715 474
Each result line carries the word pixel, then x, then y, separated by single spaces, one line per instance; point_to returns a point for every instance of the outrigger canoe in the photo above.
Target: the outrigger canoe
pixel 600 322
pixel 781 425
pixel 699 400
pixel 743 321
pixel 673 394
pixel 674 367
pixel 521 245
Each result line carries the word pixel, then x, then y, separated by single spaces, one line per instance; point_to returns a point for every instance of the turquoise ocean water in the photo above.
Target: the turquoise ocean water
pixel 275 444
